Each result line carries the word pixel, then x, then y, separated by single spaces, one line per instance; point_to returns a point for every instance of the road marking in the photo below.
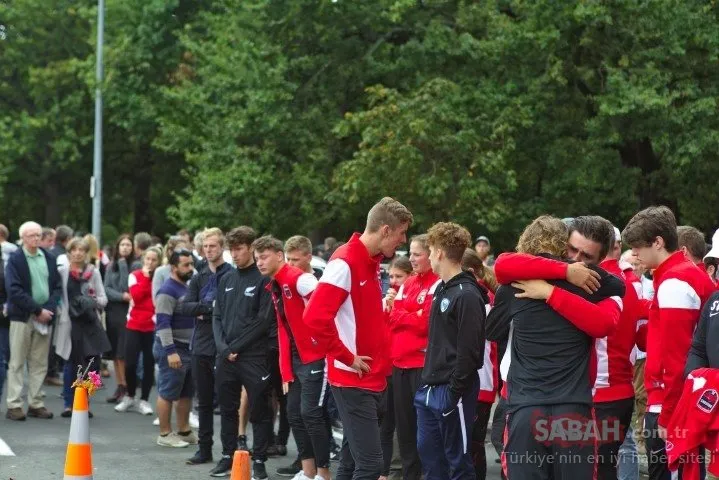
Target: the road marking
pixel 5 450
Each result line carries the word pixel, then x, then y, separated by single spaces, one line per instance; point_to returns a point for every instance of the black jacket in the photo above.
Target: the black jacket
pixel 198 304
pixel 456 335
pixel 704 351
pixel 242 314
pixel 549 355
pixel 19 291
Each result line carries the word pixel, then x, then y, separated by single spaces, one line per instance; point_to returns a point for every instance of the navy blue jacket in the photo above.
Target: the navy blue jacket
pixel 20 304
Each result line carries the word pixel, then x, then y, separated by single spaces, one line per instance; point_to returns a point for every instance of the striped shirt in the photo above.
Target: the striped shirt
pixel 172 330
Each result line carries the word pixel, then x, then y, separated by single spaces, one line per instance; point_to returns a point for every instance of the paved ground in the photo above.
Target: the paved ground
pixel 123 446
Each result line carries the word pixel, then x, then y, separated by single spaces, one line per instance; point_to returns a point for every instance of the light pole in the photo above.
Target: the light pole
pixel 96 181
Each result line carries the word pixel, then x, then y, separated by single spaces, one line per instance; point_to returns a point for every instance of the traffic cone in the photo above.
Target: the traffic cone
pixel 241 465
pixel 78 461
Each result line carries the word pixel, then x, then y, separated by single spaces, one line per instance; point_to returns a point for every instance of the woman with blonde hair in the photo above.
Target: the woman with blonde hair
pixel 80 338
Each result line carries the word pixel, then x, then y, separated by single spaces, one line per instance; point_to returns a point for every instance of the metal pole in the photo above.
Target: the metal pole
pixel 96 192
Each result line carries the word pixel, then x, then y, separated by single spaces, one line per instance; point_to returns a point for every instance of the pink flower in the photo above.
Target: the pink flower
pixel 95 378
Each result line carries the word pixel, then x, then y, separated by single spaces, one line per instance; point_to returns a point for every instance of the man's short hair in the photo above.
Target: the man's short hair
pixel 4 232
pixel 143 241
pixel 242 235
pixel 214 232
pixel 63 233
pixel 546 234
pixel 644 228
pixel 23 228
pixel 298 242
pixel 268 242
pixel 693 239
pixel 177 254
pixel 597 229
pixel 388 211
pixel 451 238
pixel 47 232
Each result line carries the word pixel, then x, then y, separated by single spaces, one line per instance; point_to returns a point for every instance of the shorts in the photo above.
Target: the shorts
pixel 174 384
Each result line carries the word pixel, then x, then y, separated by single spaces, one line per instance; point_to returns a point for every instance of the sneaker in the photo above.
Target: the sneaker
pixel 194 420
pixel 15 414
pixel 290 470
pixel 190 437
pixel 143 408
pixel 223 467
pixel 171 440
pixel 335 452
pixel 199 458
pixel 41 412
pixel 156 421
pixel 258 471
pixel 125 404
pixel 242 443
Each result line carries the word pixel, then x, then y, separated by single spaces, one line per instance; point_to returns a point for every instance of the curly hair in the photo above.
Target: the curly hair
pixel 546 234
pixel 451 238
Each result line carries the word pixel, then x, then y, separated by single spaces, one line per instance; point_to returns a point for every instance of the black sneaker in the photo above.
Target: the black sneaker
pixel 290 470
pixel 199 458
pixel 242 443
pixel 223 468
pixel 276 451
pixel 258 471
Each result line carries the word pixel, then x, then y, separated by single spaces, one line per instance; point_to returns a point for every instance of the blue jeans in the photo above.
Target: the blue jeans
pixel 628 461
pixel 4 355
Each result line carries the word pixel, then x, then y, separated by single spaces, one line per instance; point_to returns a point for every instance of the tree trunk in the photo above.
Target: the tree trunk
pixel 51 197
pixel 653 188
pixel 143 182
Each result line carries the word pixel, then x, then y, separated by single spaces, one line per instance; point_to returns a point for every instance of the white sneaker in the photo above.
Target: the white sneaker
pixel 194 420
pixel 143 408
pixel 125 404
pixel 172 440
pixel 301 476
pixel 156 422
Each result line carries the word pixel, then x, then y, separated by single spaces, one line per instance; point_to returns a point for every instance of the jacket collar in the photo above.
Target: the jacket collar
pixel 676 258
pixel 356 244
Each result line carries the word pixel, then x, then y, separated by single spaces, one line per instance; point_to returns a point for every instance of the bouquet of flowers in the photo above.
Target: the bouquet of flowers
pixel 88 380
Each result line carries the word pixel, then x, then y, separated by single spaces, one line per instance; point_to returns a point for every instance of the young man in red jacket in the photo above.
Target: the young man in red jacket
pixel 409 324
pixel 681 290
pixel 346 317
pixel 302 363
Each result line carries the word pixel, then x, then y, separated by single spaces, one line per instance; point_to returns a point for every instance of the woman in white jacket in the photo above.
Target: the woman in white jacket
pixel 80 337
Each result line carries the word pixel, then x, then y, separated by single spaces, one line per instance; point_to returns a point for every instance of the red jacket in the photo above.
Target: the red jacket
pixel 346 317
pixel 695 424
pixel 615 372
pixel 408 329
pixel 141 315
pixel 489 374
pixel 682 289
pixel 295 288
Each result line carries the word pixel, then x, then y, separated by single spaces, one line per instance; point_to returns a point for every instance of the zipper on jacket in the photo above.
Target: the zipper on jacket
pixel 426 402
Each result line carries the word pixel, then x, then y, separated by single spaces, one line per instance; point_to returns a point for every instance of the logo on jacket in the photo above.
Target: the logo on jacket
pixel 286 290
pixel 708 400
pixel 669 446
pixel 250 291
pixel 422 295
pixel 444 305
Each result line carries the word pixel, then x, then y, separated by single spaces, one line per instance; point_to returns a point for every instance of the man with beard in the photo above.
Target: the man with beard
pixel 172 351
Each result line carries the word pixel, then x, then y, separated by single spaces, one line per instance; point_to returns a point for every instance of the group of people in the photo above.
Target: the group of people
pixel 576 324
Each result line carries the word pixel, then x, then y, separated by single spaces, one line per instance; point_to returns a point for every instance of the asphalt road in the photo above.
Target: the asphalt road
pixel 124 446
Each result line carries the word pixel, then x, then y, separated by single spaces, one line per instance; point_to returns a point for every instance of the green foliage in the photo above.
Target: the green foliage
pixel 295 116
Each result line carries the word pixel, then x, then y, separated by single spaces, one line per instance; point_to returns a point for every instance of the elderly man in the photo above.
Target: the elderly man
pixel 33 290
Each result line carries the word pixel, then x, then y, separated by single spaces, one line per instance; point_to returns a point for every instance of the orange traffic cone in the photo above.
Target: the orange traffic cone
pixel 241 465
pixel 78 461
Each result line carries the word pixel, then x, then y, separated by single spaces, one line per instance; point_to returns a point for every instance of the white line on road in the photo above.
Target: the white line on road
pixel 5 450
